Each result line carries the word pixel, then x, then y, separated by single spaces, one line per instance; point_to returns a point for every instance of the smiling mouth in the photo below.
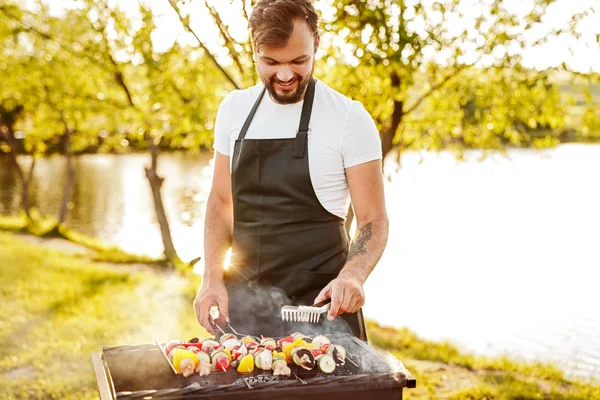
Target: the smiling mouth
pixel 286 86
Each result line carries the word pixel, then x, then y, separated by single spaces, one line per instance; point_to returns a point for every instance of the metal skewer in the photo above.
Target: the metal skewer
pixel 352 362
pixel 245 381
pixel 300 379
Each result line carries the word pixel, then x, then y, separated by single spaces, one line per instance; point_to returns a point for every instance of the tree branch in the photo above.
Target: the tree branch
pixel 117 73
pixel 47 36
pixel 208 53
pixel 226 36
pixel 436 87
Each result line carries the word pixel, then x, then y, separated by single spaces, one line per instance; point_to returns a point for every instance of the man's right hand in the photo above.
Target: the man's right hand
pixel 211 293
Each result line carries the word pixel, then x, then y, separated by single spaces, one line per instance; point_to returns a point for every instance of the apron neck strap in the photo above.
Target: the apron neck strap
pixel 302 135
pixel 242 134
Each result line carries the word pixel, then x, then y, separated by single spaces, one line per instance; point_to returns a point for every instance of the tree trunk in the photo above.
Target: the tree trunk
pixel 68 193
pixel 8 132
pixel 155 185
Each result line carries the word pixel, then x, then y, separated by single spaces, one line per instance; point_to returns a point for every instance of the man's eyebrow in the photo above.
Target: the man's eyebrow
pixel 303 57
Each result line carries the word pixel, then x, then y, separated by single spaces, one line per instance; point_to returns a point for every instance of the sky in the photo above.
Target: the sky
pixel 582 55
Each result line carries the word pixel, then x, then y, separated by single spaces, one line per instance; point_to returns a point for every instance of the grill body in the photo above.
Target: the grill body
pixel 142 372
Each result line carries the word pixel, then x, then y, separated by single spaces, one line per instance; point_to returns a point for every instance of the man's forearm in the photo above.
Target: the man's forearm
pixel 367 247
pixel 218 229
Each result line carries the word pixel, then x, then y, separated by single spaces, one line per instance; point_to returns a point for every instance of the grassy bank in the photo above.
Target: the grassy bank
pixel 44 226
pixel 58 309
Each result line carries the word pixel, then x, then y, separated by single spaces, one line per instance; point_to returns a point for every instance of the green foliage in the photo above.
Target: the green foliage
pixel 430 75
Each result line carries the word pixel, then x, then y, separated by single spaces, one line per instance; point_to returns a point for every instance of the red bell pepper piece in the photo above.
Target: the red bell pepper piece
pixel 222 364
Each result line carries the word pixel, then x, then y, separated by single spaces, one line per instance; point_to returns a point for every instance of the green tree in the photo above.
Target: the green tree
pixel 399 55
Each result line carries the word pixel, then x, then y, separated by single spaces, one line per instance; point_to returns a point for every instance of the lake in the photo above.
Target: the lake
pixel 498 256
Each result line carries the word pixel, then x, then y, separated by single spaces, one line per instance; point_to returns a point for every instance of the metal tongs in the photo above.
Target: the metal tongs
pixel 310 314
pixel 215 314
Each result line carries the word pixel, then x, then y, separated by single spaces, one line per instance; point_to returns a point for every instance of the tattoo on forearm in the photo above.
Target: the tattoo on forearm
pixel 359 245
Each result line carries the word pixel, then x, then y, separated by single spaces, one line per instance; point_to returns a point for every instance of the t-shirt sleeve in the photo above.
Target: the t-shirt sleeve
pixel 221 143
pixel 361 141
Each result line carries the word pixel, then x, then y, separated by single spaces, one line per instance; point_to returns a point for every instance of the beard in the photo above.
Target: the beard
pixel 288 96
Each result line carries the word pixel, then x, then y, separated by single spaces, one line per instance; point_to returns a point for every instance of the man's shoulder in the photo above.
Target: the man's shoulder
pixel 240 98
pixel 336 100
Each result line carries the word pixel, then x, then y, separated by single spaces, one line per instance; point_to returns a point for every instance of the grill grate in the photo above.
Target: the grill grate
pixel 142 372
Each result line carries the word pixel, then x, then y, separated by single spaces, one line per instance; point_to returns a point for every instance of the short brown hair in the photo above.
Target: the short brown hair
pixel 272 21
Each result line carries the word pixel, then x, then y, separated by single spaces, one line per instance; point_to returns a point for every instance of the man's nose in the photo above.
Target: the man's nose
pixel 285 74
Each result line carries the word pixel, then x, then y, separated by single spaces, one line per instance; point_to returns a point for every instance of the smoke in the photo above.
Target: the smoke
pixel 256 310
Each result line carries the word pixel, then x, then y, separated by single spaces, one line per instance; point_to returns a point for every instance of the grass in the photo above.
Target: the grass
pixel 443 372
pixel 58 309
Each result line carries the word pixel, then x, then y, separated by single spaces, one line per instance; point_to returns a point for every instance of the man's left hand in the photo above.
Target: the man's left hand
pixel 346 293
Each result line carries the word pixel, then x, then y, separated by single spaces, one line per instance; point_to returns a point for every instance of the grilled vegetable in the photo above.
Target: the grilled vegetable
pixel 268 343
pixel 209 345
pixel 325 363
pixel 303 358
pixel 171 345
pixel 320 340
pixel 218 354
pixel 179 355
pixel 231 343
pixel 173 351
pixel 222 364
pixel 338 353
pixel 263 359
pixel 246 365
pixel 297 335
pixel 278 354
pixel 191 346
pixel 280 367
pixel 285 341
pixel 250 339
pixel 227 336
pixel 194 340
pixel 325 347
pixel 239 351
pixel 288 349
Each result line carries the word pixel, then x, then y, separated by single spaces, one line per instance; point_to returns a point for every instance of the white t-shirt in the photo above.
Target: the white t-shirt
pixel 341 134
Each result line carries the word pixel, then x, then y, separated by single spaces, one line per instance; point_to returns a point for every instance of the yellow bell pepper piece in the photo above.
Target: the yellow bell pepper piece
pixel 181 354
pixel 278 354
pixel 288 349
pixel 246 364
pixel 226 350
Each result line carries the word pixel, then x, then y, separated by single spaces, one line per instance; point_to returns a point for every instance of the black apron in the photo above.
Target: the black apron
pixel 286 245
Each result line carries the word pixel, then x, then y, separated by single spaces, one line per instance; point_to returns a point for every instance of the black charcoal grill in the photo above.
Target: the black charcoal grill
pixel 142 372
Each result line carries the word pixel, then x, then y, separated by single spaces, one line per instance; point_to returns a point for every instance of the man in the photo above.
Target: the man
pixel 291 153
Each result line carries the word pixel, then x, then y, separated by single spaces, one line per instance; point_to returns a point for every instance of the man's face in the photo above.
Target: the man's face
pixel 286 71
